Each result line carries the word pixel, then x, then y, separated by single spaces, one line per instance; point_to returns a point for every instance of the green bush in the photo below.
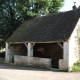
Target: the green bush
pixel 76 67
pixel 2 54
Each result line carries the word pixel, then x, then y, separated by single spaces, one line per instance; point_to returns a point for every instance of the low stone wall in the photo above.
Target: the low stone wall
pixel 2 59
pixel 32 61
pixel 63 65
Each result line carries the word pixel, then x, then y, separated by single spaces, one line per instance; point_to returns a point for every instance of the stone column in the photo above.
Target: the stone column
pixel 7 53
pixel 63 63
pixel 30 50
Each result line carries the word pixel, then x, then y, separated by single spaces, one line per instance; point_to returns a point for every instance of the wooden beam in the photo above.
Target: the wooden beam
pixel 9 45
pixel 26 45
pixel 33 42
pixel 60 45
pixel 33 45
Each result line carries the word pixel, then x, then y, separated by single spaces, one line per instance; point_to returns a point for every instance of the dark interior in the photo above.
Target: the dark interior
pixel 49 50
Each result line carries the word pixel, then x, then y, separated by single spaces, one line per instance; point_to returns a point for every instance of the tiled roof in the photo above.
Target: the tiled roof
pixel 53 27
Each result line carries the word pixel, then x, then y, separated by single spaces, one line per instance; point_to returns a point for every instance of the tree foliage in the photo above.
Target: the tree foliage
pixel 32 8
pixel 14 12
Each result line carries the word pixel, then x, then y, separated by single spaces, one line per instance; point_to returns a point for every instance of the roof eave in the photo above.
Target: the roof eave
pixel 34 42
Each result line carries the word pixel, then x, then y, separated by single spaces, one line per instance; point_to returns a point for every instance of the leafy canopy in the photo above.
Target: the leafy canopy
pixel 14 12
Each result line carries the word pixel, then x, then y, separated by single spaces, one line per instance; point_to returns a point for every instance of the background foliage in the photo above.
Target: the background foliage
pixel 14 12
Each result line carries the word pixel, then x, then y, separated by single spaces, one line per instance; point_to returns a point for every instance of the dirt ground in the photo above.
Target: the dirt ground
pixel 10 72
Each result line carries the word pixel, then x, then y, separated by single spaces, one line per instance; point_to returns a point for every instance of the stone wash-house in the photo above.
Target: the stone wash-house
pixel 48 41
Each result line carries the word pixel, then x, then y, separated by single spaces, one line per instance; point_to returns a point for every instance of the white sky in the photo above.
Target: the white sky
pixel 68 4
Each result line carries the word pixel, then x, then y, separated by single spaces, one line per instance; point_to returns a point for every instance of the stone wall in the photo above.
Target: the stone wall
pixel 71 51
pixel 63 63
pixel 32 61
pixel 74 47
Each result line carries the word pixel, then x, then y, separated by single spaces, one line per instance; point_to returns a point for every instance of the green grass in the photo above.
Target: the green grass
pixel 76 67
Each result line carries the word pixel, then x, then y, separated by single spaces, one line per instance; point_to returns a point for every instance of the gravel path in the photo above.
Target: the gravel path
pixel 9 72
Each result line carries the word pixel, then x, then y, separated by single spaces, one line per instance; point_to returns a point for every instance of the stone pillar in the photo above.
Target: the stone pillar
pixel 7 53
pixel 30 50
pixel 63 63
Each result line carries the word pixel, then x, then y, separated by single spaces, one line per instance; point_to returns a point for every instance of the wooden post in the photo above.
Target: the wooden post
pixel 60 45
pixel 30 50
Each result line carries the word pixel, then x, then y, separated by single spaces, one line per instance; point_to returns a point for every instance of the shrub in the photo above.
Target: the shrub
pixel 76 67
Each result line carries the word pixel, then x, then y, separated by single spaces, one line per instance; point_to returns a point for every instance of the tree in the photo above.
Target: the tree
pixel 32 8
pixel 14 12
pixel 9 20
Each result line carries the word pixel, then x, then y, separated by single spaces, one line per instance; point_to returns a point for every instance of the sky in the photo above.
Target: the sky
pixel 68 4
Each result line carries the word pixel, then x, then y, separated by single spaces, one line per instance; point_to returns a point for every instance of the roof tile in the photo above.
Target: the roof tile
pixel 53 27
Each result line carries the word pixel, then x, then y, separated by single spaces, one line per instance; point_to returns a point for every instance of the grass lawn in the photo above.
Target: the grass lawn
pixel 76 67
